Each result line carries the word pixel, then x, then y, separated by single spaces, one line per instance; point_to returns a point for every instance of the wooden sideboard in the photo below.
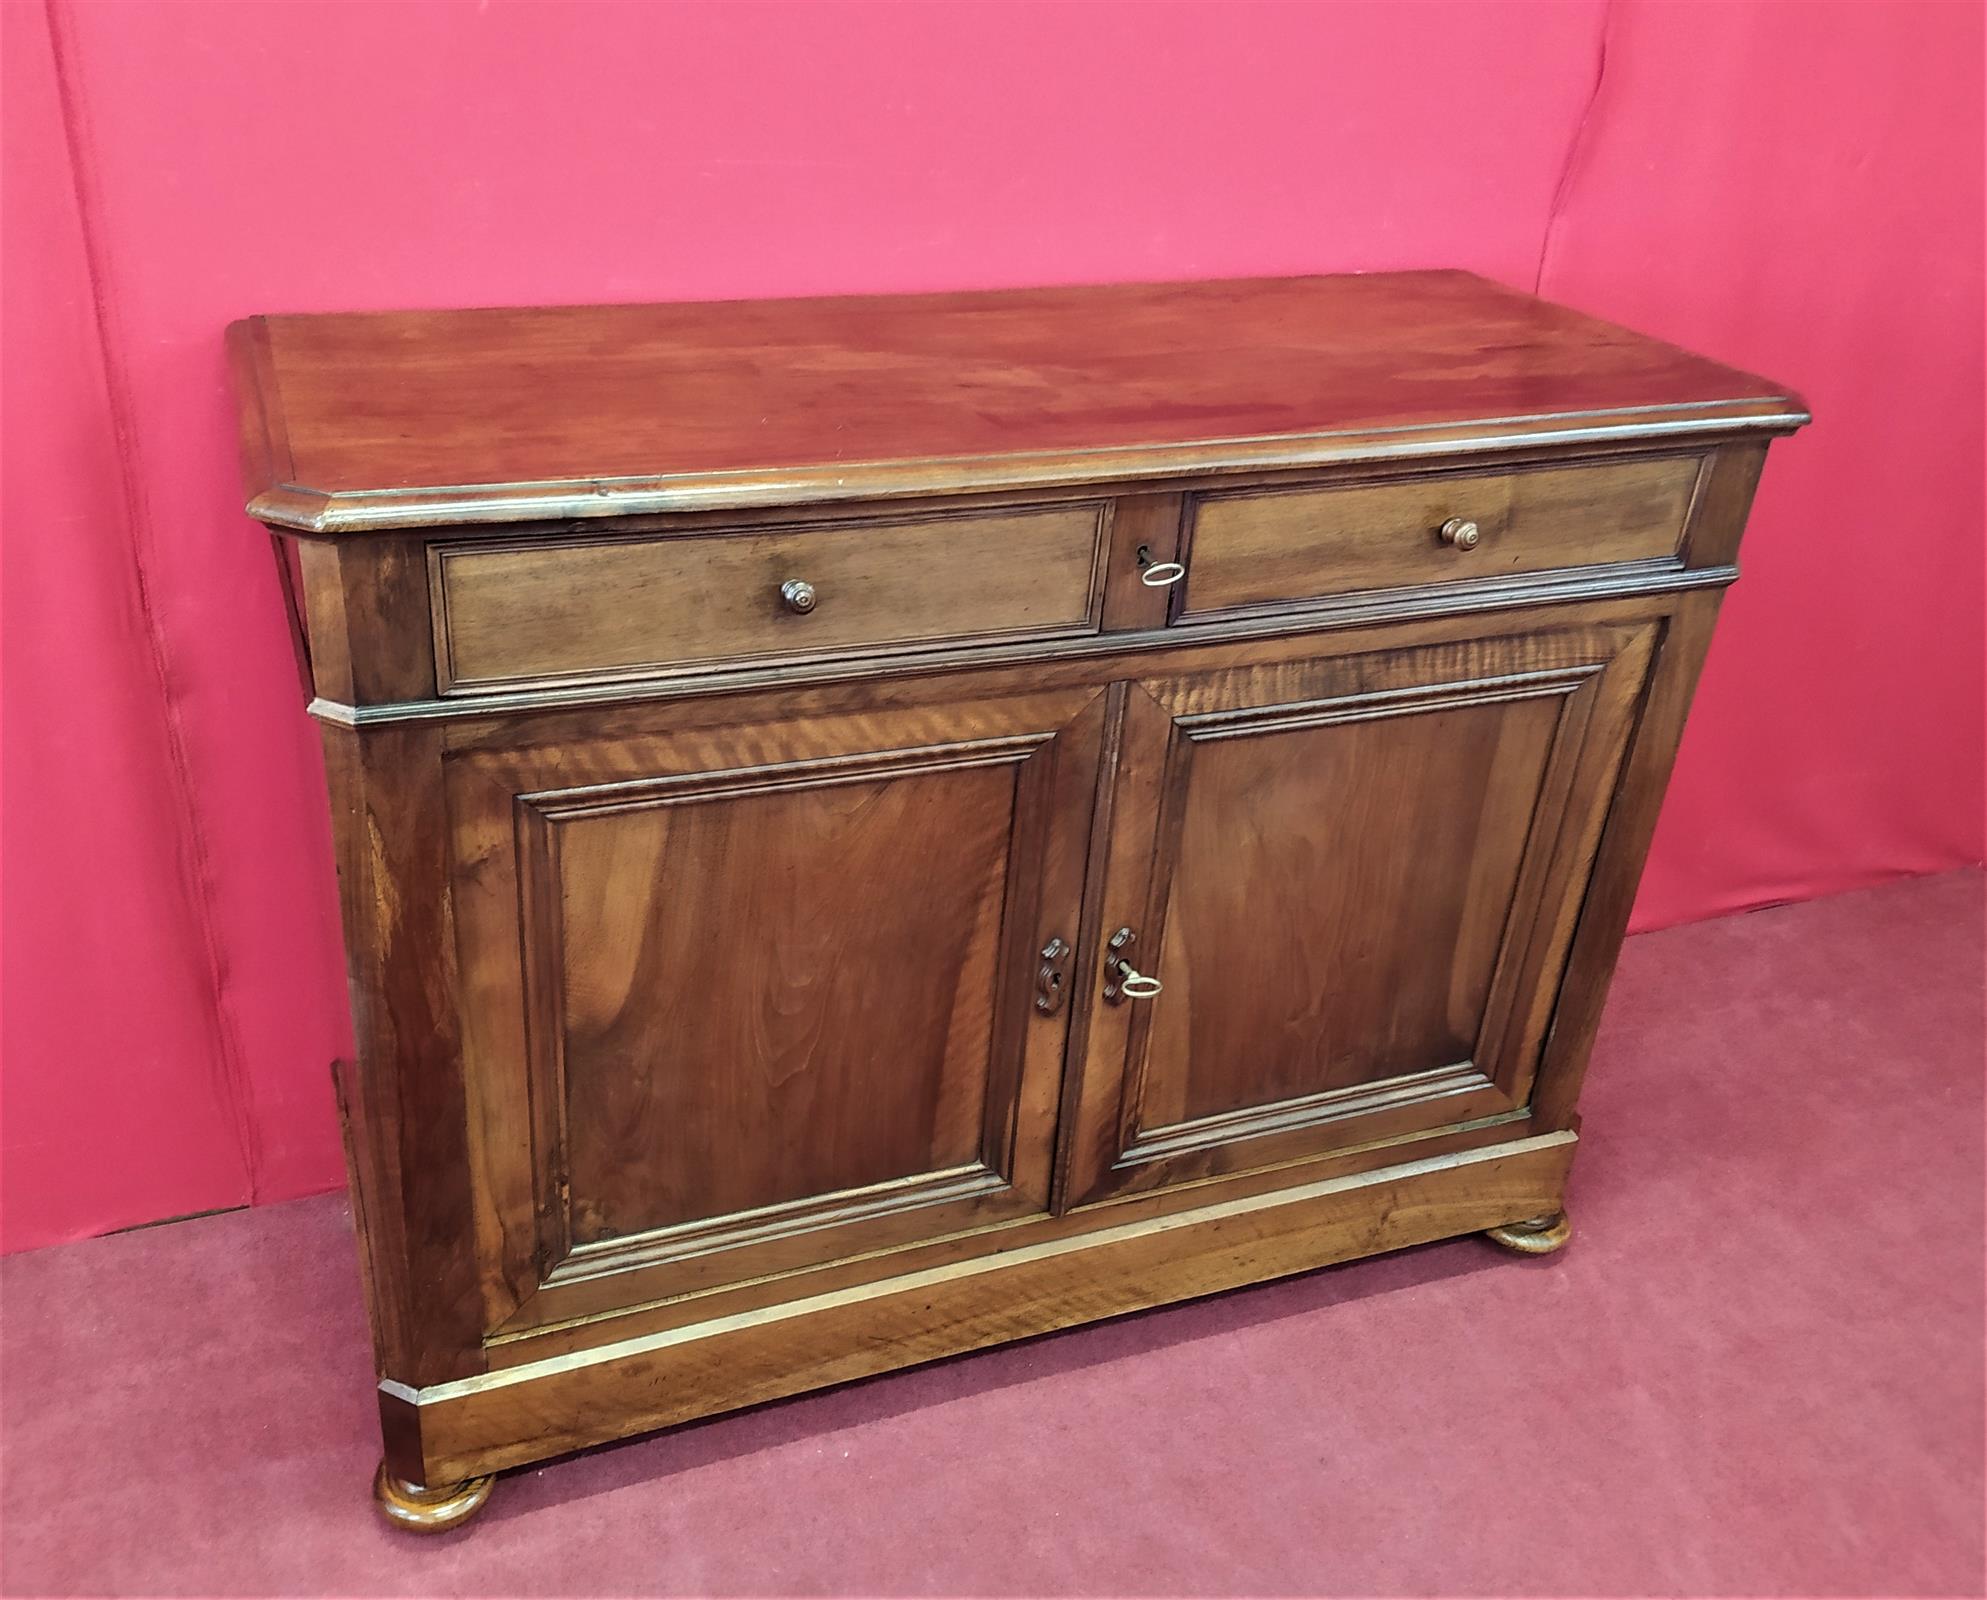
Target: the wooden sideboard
pixel 872 827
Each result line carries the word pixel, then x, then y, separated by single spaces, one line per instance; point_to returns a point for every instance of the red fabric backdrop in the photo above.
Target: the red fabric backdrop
pixel 1794 188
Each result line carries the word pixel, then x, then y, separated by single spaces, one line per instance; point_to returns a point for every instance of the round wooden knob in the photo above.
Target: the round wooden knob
pixel 797 595
pixel 1460 533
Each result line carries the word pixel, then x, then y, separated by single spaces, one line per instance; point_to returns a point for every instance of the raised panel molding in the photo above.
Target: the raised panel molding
pixel 1153 1143
pixel 1587 679
pixel 1254 721
pixel 769 1224
pixel 541 816
pixel 1290 1116
pixel 1029 768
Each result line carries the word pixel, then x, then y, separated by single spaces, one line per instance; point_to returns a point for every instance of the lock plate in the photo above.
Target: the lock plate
pixel 1052 981
pixel 1123 981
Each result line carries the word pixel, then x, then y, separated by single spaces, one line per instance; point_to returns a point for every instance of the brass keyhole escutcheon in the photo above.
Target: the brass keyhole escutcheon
pixel 1052 982
pixel 1123 981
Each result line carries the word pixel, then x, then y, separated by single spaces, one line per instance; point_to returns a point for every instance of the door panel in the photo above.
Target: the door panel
pixel 803 1039
pixel 1354 878
pixel 1274 882
pixel 741 1001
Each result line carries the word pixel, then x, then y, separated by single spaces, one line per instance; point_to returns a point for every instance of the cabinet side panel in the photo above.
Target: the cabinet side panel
pixel 1717 522
pixel 366 1182
pixel 1724 499
pixel 323 584
pixel 404 1095
pixel 367 601
pixel 1618 864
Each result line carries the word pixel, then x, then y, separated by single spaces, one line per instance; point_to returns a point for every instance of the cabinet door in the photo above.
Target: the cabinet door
pixel 1355 878
pixel 748 995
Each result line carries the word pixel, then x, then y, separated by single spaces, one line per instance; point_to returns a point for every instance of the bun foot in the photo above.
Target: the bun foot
pixel 1535 1236
pixel 422 1510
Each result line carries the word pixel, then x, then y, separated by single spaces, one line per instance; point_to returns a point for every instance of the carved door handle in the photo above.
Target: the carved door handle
pixel 1051 983
pixel 1123 981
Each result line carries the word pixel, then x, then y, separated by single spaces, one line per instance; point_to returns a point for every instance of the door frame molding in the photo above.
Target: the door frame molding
pixel 535 1274
pixel 1602 691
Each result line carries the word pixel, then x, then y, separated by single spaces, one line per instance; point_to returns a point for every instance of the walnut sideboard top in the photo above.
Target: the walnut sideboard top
pixel 411 419
pixel 871 827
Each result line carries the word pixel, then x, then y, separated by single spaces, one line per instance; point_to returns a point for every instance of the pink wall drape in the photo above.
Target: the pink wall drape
pixel 1794 188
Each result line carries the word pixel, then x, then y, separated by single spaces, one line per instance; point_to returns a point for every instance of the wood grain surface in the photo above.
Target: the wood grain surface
pixel 599 608
pixel 1282 546
pixel 508 414
pixel 741 985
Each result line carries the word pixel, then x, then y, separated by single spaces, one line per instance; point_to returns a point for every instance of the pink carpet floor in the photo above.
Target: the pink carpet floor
pixel 1758 1369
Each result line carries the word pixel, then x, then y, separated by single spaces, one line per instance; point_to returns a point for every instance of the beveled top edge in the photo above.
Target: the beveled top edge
pixel 353 422
pixel 346 512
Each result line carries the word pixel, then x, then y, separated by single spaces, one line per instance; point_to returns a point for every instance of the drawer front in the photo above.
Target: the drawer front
pixel 1268 548
pixel 561 609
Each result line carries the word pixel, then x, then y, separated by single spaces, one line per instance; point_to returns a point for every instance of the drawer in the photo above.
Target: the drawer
pixel 1260 549
pixel 508 613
